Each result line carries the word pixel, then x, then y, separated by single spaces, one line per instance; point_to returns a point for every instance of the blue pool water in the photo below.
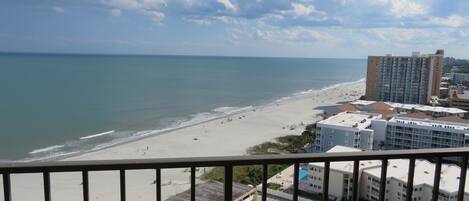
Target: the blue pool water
pixel 303 174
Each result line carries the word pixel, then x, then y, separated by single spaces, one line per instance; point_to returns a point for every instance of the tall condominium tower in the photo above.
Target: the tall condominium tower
pixel 404 79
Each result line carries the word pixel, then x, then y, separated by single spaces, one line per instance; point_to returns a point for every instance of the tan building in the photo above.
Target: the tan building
pixel 404 79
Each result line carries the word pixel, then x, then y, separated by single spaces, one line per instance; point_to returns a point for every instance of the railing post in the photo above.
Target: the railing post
pixel 436 180
pixel 122 184
pixel 6 187
pixel 228 183
pixel 356 165
pixel 86 194
pixel 158 184
pixel 382 185
pixel 410 180
pixel 46 179
pixel 462 178
pixel 296 172
pixel 192 183
pixel 325 182
pixel 265 171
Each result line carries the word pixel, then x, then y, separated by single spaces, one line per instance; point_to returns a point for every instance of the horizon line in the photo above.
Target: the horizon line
pixel 175 55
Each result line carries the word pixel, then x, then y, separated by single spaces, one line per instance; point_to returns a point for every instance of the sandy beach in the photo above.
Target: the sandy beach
pixel 230 135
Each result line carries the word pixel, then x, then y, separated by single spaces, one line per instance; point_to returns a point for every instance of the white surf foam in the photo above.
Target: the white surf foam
pixel 192 120
pixel 97 135
pixel 47 149
pixel 232 110
pixel 50 156
pixel 312 91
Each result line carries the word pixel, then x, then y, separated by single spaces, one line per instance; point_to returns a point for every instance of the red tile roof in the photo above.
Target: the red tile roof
pixel 347 108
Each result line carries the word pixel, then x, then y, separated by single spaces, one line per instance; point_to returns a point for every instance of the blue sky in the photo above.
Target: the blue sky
pixel 297 28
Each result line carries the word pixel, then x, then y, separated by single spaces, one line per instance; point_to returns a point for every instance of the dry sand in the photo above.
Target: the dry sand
pixel 221 137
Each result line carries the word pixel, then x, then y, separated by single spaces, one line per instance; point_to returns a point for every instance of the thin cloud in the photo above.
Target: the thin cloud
pixel 58 9
pixel 116 12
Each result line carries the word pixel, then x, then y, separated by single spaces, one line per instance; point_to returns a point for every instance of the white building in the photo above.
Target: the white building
pixel 341 179
pixel 415 133
pixel 351 129
pixel 340 175
pixel 396 181
pixel 435 111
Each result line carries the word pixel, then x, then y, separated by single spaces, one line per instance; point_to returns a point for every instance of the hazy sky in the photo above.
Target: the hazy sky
pixel 297 28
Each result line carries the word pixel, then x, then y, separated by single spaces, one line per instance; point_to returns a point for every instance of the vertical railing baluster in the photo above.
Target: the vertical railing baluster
pixel 86 192
pixel 122 184
pixel 382 185
pixel 46 179
pixel 356 165
pixel 410 180
pixel 192 183
pixel 158 184
pixel 6 187
pixel 228 183
pixel 462 178
pixel 325 182
pixel 436 180
pixel 296 173
pixel 265 171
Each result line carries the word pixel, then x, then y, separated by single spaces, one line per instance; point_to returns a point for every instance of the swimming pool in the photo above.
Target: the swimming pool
pixel 303 174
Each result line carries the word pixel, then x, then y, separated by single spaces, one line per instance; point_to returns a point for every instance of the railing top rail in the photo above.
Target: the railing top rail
pixel 98 165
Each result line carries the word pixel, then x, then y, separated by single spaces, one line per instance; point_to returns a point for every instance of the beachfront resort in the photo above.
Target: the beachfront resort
pixel 390 137
pixel 234 100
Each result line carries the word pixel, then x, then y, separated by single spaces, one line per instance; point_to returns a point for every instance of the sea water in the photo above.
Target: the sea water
pixel 56 105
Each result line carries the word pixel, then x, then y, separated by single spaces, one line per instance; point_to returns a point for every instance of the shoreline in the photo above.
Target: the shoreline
pixel 218 137
pixel 166 130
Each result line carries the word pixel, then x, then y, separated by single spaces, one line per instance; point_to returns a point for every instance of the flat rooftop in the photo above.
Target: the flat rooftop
pixel 418 107
pixel 213 190
pixel 427 108
pixel 347 166
pixel 424 173
pixel 407 57
pixel 359 120
pixel 431 123
pixel 398 169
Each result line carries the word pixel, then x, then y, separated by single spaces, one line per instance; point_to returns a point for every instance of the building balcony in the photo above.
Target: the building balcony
pixel 123 166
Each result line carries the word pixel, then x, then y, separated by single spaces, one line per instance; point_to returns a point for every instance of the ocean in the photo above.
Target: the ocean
pixel 53 105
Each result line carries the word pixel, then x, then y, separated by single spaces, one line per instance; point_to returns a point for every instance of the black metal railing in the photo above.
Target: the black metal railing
pixel 437 155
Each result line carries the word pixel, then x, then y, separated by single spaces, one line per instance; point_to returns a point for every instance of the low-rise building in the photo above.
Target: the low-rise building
pixel 387 110
pixel 390 109
pixel 396 181
pixel 341 179
pixel 435 111
pixel 416 131
pixel 352 129
pixel 340 176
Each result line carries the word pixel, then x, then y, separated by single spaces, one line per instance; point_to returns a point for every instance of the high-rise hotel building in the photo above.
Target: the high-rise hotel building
pixel 404 79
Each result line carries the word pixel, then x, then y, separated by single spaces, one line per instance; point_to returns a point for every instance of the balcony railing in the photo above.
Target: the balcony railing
pixel 46 168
